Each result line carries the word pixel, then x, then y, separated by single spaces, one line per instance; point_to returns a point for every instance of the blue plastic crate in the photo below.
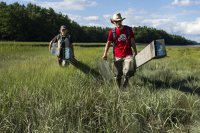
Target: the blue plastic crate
pixel 67 53
pixel 55 49
pixel 160 50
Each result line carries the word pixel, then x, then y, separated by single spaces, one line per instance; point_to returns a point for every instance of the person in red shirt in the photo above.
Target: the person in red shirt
pixel 124 50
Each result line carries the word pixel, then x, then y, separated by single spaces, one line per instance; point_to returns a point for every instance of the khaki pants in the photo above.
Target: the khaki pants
pixel 124 67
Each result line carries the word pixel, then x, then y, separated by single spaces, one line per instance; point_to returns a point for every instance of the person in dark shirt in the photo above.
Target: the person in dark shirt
pixel 65 46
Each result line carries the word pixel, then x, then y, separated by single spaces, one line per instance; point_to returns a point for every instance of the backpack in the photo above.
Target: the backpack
pixel 67 52
pixel 68 36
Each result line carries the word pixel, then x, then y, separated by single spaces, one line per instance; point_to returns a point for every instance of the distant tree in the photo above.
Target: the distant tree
pixel 4 21
pixel 34 23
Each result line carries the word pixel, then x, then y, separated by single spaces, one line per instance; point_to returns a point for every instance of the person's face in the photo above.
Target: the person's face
pixel 118 24
pixel 63 31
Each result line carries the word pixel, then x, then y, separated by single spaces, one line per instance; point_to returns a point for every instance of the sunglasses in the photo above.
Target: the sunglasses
pixel 118 21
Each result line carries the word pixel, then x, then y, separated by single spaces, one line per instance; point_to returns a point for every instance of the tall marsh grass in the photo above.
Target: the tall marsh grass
pixel 36 95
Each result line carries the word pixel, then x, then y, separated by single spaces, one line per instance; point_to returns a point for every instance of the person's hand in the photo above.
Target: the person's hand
pixel 104 57
pixel 135 53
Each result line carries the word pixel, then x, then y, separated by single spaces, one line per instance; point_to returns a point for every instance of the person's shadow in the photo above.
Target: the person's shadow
pixel 180 84
pixel 85 68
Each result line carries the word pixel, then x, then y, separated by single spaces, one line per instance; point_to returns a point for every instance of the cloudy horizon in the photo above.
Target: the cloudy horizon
pixel 180 17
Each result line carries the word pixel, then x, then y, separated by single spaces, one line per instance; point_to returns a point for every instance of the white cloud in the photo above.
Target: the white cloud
pixel 94 24
pixel 91 18
pixel 189 12
pixel 128 13
pixel 156 22
pixel 193 37
pixel 181 2
pixel 173 26
pixel 32 1
pixel 169 23
pixel 188 29
pixel 85 20
pixel 107 16
pixel 132 18
pixel 81 18
pixel 76 18
pixel 69 4
pixel 185 2
pixel 191 28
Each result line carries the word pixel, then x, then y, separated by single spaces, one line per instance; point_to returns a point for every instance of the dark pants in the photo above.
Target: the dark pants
pixel 62 61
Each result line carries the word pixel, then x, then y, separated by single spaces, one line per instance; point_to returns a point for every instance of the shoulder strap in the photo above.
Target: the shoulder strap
pixel 114 34
pixel 58 37
pixel 114 37
pixel 69 37
pixel 127 28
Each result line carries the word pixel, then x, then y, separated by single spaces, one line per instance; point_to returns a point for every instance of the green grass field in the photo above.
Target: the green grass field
pixel 36 95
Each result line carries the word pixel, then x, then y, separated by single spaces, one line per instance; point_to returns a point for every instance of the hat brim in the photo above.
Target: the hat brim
pixel 114 20
pixel 63 28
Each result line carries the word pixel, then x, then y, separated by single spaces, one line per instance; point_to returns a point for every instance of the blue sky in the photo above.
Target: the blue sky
pixel 180 17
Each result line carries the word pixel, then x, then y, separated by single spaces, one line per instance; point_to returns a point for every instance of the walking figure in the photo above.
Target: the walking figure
pixel 124 50
pixel 63 46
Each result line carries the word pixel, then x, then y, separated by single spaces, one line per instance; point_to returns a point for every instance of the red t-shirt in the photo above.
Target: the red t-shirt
pixel 122 41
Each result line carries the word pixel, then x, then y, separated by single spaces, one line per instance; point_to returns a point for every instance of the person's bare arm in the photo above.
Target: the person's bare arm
pixel 51 42
pixel 106 50
pixel 133 45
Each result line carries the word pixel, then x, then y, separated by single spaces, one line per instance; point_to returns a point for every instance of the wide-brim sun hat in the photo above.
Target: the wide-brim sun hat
pixel 116 17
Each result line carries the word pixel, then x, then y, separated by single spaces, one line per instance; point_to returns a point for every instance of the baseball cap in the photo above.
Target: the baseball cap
pixel 63 27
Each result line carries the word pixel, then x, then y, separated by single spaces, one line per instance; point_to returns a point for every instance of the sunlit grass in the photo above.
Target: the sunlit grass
pixel 36 95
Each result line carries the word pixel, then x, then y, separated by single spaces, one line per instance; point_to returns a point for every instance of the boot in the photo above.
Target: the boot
pixel 126 82
pixel 60 61
pixel 118 81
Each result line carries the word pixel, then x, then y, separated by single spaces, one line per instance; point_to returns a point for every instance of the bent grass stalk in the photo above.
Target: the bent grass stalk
pixel 36 95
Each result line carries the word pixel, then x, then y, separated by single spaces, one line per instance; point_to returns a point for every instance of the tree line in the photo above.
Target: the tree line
pixel 34 23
